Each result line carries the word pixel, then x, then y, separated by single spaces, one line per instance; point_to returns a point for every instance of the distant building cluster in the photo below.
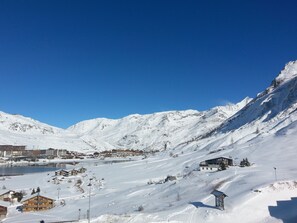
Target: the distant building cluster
pixel 120 153
pixel 18 153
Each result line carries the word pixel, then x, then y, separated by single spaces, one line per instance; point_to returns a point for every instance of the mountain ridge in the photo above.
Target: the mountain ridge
pixel 162 130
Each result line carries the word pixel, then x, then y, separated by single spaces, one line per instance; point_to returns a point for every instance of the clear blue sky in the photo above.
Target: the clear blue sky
pixel 66 61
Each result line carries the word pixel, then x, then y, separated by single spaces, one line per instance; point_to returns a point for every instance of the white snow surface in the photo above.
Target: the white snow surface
pixel 263 130
pixel 289 72
pixel 252 192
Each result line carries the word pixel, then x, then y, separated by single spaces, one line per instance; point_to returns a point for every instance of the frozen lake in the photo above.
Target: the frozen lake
pixel 22 169
pixel 28 169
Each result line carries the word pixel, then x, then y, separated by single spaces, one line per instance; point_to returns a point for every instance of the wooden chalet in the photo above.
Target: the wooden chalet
pixel 3 209
pixel 37 203
pixel 215 164
pixel 7 195
pixel 82 170
pixel 64 173
pixel 73 172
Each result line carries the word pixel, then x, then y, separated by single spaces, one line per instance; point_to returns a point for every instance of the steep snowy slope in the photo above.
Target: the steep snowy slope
pixel 21 124
pixel 273 109
pixel 156 131
pixel 277 101
pixel 270 111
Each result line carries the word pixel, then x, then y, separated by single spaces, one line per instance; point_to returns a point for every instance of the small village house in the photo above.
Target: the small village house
pixel 7 195
pixel 74 172
pixel 82 170
pixel 37 203
pixel 215 164
pixel 67 173
pixel 3 209
pixel 64 173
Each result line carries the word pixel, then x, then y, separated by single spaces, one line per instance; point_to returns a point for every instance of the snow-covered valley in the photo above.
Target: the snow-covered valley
pixel 263 129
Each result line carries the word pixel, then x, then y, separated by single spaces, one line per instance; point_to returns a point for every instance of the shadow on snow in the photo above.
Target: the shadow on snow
pixel 199 204
pixel 285 210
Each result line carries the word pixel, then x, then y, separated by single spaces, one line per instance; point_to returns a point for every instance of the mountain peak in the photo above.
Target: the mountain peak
pixel 289 72
pixel 244 102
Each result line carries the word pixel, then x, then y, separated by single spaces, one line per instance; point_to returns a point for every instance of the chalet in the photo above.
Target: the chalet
pixel 215 164
pixel 37 203
pixel 82 170
pixel 64 173
pixel 74 172
pixel 78 171
pixel 7 195
pixel 67 173
pixel 3 209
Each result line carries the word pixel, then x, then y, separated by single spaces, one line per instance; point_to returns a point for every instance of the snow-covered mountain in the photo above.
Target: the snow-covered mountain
pixel 272 110
pixel 269 113
pixel 156 131
pixel 144 132
pixel 276 103
pixel 20 130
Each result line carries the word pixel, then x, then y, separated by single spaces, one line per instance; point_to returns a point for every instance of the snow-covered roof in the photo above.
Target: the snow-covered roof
pixel 217 193
pixel 209 165
pixel 5 191
pixel 62 170
pixel 220 157
pixel 4 203
pixel 35 195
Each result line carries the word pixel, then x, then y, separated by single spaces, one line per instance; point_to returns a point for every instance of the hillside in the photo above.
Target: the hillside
pixel 268 114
